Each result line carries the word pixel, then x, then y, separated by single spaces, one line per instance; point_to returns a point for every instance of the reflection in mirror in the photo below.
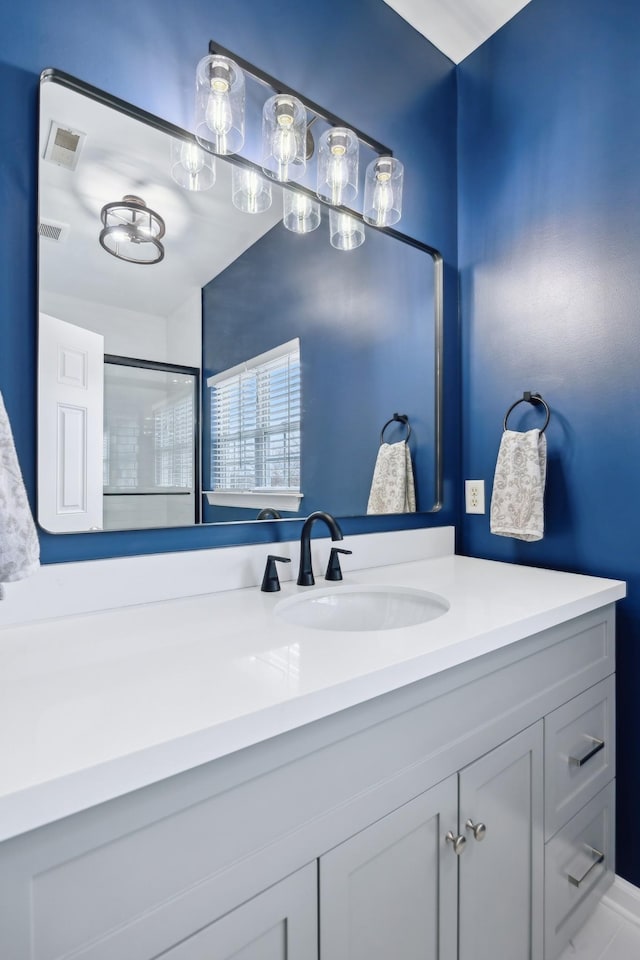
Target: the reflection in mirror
pixel 230 293
pixel 150 444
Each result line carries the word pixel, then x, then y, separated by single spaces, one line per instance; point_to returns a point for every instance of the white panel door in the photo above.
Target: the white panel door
pixel 70 428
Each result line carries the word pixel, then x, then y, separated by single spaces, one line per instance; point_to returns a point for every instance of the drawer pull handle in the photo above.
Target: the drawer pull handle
pixel 597 858
pixel 596 747
pixel 458 842
pixel 479 830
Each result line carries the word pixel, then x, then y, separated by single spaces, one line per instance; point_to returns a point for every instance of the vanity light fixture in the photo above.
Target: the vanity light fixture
pixel 220 101
pixel 345 231
pixel 250 192
pixel 301 213
pixel 131 231
pixel 383 192
pixel 287 147
pixel 192 167
pixel 338 151
pixel 284 138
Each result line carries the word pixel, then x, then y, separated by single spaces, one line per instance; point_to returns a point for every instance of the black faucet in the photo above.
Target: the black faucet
pixel 305 573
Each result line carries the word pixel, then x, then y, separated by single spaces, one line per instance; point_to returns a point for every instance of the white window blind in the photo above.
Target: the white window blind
pixel 173 443
pixel 255 420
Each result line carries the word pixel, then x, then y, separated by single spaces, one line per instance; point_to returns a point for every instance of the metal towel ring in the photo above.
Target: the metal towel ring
pixel 528 397
pixel 397 418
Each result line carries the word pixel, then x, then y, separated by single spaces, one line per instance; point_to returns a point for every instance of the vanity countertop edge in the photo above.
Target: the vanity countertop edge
pixel 96 705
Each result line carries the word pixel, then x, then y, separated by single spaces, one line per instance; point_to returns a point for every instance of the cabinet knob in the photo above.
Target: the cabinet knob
pixel 479 830
pixel 458 842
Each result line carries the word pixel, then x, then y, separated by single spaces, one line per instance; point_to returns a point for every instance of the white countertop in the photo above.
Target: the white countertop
pixel 95 705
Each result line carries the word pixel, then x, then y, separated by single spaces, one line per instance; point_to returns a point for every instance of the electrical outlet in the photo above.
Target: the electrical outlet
pixel 474 496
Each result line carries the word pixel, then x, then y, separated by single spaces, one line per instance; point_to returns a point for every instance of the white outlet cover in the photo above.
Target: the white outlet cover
pixel 474 496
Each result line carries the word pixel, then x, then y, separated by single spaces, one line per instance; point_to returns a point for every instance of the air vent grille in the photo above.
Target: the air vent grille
pixel 53 230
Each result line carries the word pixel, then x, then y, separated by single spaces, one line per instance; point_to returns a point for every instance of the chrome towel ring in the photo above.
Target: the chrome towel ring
pixel 528 397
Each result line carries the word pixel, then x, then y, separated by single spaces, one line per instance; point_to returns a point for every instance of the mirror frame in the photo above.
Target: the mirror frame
pixel 137 113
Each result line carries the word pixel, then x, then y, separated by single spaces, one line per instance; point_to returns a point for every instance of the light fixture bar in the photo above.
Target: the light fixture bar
pixel 277 87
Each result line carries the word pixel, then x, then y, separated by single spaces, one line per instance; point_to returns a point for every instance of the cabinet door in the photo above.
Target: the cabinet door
pixel 501 874
pixel 279 924
pixel 390 891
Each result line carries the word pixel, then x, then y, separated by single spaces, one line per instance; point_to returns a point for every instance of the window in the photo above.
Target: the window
pixel 255 424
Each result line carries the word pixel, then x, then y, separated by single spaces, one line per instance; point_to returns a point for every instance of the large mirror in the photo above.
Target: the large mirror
pixel 246 374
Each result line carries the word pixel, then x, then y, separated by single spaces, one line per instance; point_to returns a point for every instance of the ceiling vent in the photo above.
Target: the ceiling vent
pixel 53 230
pixel 64 146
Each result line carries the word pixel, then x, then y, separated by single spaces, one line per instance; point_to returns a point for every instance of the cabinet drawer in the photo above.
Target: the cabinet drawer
pixel 579 753
pixel 579 866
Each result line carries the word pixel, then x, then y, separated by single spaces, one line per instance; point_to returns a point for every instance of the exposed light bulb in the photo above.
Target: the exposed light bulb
pixel 302 205
pixel 284 144
pixel 218 115
pixel 345 231
pixel 220 103
pixel 383 192
pixel 301 214
pixel 337 173
pixel 191 158
pixel 252 184
pixel 251 193
pixel 346 225
pixel 382 198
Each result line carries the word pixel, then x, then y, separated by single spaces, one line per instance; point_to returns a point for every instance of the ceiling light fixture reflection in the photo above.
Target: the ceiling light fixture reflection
pixel 301 213
pixel 345 232
pixel 131 231
pixel 192 167
pixel 250 192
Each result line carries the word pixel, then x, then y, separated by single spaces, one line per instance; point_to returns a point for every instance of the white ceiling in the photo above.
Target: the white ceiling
pixel 457 27
pixel 121 155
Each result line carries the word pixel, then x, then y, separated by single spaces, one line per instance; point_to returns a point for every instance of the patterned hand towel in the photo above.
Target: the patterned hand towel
pixel 517 507
pixel 392 487
pixel 19 545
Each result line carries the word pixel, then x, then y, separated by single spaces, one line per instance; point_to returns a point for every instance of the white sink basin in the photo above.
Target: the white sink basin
pixel 361 608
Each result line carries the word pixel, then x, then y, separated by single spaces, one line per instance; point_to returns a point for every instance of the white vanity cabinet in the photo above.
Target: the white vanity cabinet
pixel 340 826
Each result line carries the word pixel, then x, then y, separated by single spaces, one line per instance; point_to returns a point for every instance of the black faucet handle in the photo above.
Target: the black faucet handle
pixel 333 567
pixel 270 581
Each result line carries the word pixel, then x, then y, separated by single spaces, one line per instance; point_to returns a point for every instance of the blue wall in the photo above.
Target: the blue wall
pixel 549 225
pixel 360 315
pixel 146 52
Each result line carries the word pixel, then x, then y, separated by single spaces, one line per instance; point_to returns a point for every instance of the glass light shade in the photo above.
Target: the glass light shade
pixel 338 151
pixel 284 138
pixel 220 98
pixel 131 231
pixel 191 166
pixel 250 192
pixel 383 192
pixel 345 232
pixel 301 213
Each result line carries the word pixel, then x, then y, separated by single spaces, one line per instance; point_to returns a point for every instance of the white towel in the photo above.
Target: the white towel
pixel 392 487
pixel 517 501
pixel 19 545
